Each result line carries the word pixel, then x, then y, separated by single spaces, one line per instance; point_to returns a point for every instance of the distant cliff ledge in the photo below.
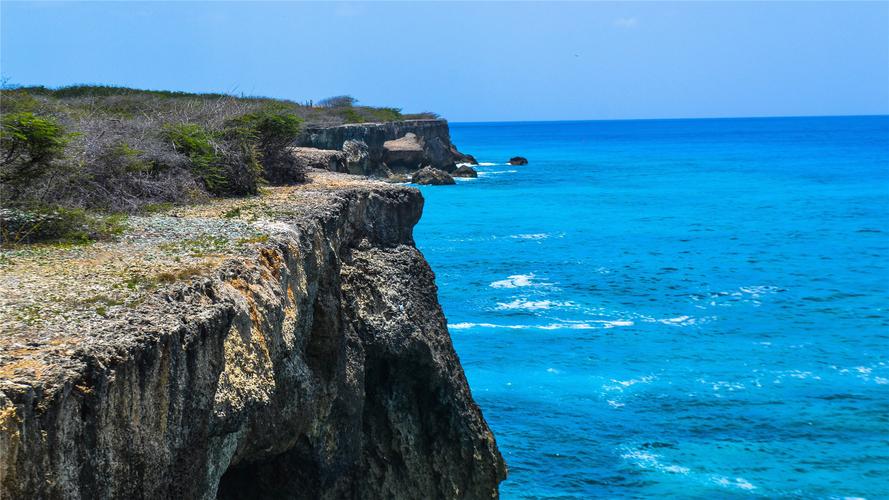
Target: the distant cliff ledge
pixel 389 149
pixel 287 346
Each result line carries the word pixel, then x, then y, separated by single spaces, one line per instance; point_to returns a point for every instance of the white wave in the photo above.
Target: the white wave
pixel 738 482
pixel 623 384
pixel 729 386
pixel 757 290
pixel 488 164
pixel 619 322
pixel 594 325
pixel 679 320
pixel 682 320
pixel 531 305
pixel 483 173
pixel 533 236
pixel 465 179
pixel 646 460
pixel 614 404
pixel 514 281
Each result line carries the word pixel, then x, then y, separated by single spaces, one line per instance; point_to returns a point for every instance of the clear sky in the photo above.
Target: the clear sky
pixel 475 61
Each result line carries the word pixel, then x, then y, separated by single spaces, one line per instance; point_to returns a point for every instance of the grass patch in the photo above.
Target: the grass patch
pixel 262 238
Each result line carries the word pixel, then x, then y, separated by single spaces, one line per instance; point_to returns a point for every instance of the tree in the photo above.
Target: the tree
pixel 338 101
pixel 29 145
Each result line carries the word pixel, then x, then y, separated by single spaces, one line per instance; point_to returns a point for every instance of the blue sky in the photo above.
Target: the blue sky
pixel 475 61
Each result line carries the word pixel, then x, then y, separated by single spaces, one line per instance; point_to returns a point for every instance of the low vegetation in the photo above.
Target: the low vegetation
pixel 73 159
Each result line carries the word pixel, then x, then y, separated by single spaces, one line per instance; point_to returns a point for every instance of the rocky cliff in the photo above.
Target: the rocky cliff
pixel 313 363
pixel 412 144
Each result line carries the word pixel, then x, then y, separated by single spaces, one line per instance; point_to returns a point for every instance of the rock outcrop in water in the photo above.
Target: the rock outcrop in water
pixel 465 171
pixel 432 177
pixel 318 366
pixel 412 144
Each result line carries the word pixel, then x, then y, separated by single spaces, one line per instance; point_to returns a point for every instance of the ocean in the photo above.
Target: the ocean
pixel 690 308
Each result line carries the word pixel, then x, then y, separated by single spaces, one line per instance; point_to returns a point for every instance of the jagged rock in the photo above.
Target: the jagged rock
pixel 518 160
pixel 432 176
pixel 317 365
pixel 438 154
pixel 464 171
pixel 459 157
pixel 357 157
pixel 325 159
pixel 432 135
pixel 406 152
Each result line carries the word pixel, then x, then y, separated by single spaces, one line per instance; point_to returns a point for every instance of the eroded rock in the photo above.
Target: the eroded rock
pixel 325 159
pixel 465 171
pixel 403 155
pixel 432 176
pixel 315 364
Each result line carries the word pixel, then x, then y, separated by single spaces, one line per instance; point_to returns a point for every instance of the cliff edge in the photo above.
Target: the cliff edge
pixel 290 345
pixel 389 149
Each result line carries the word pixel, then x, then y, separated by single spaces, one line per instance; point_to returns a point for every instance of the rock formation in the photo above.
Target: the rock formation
pixel 462 157
pixel 325 159
pixel 357 157
pixel 411 145
pixel 406 152
pixel 317 365
pixel 432 176
pixel 464 171
pixel 518 160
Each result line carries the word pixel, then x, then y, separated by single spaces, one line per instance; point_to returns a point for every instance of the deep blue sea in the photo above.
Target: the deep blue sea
pixel 690 308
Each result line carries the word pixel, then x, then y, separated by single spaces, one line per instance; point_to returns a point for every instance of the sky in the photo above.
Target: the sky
pixel 474 61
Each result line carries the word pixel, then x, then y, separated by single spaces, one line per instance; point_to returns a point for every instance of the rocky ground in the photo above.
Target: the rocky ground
pixel 289 344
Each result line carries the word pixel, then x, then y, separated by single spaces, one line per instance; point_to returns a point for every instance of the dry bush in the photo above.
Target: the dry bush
pixel 122 151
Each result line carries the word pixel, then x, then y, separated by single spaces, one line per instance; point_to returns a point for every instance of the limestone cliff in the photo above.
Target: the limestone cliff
pixel 430 146
pixel 315 364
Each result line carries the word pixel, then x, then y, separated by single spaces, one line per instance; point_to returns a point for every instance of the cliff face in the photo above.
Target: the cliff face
pixel 320 367
pixel 433 136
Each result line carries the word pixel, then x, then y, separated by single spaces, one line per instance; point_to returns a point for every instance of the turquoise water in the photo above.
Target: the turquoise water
pixel 694 308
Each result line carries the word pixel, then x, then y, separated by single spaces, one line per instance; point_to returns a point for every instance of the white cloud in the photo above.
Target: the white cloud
pixel 626 22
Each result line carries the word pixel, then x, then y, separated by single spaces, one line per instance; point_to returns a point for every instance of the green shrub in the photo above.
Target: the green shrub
pixel 29 144
pixel 271 130
pixel 57 224
pixel 123 158
pixel 225 161
pixel 196 142
pixel 338 101
pixel 351 116
pixel 273 127
pixel 385 114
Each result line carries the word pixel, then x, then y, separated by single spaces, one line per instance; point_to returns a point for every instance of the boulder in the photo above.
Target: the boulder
pixel 357 157
pixel 407 152
pixel 438 154
pixel 432 176
pixel 325 159
pixel 464 171
pixel 518 160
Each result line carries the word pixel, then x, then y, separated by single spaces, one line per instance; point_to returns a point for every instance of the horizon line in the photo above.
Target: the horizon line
pixel 748 117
